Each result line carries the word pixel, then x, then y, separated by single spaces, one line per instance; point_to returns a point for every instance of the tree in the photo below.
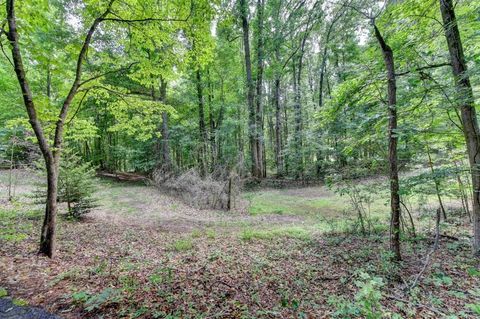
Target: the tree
pixel 51 154
pixel 253 130
pixel 466 103
pixel 392 143
pixel 51 151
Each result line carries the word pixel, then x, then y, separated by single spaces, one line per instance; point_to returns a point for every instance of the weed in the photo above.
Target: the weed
pixel 20 302
pixel 475 308
pixel 182 245
pixel 211 234
pixel 196 233
pixel 93 302
pixel 367 299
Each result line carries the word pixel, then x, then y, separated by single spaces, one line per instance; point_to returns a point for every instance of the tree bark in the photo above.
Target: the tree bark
pixel 278 128
pixel 466 102
pixel 324 58
pixel 256 168
pixel 202 125
pixel 392 145
pixel 259 135
pixel 165 148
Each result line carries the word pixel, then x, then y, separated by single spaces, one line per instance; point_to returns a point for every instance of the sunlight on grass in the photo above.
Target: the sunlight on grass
pixel 275 202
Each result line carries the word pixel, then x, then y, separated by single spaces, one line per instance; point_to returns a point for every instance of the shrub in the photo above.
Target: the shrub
pixel 76 186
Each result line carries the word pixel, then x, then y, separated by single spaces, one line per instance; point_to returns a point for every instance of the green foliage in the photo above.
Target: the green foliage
pixel 475 308
pixel 367 299
pixel 182 245
pixel 93 302
pixel 3 292
pixel 76 185
pixel 13 227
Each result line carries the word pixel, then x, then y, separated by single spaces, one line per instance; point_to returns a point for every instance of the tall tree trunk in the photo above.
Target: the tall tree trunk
pixel 297 107
pixel 212 125
pixel 278 128
pixel 221 116
pixel 392 144
pixel 259 136
pixel 252 131
pixel 165 148
pixel 467 108
pixel 201 125
pixel 324 58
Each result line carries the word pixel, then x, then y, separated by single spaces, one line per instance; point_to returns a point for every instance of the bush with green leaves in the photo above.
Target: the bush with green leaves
pixel 367 299
pixel 76 185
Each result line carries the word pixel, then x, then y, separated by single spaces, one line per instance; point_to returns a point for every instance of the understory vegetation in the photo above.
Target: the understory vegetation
pixel 240 158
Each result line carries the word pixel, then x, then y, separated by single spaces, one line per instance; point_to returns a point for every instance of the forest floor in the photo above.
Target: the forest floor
pixel 281 254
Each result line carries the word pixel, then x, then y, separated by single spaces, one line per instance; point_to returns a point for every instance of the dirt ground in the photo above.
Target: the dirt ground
pixel 143 254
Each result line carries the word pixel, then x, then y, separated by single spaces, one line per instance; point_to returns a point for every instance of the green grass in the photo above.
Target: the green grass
pixel 182 245
pixel 277 232
pixel 15 224
pixel 274 202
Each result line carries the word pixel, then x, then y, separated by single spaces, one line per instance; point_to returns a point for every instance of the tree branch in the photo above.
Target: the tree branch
pixel 152 19
pixel 107 73
pixel 78 75
pixel 431 66
pixel 19 68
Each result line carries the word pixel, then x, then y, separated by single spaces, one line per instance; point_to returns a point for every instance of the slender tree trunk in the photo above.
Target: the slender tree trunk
pixel 467 108
pixel 392 145
pixel 50 155
pixel 297 122
pixel 278 128
pixel 201 125
pixel 212 136
pixel 259 136
pixel 165 148
pixel 437 184
pixel 221 116
pixel 252 122
pixel 49 81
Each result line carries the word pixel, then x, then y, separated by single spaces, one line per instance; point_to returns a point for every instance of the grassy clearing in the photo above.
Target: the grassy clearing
pixel 276 202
